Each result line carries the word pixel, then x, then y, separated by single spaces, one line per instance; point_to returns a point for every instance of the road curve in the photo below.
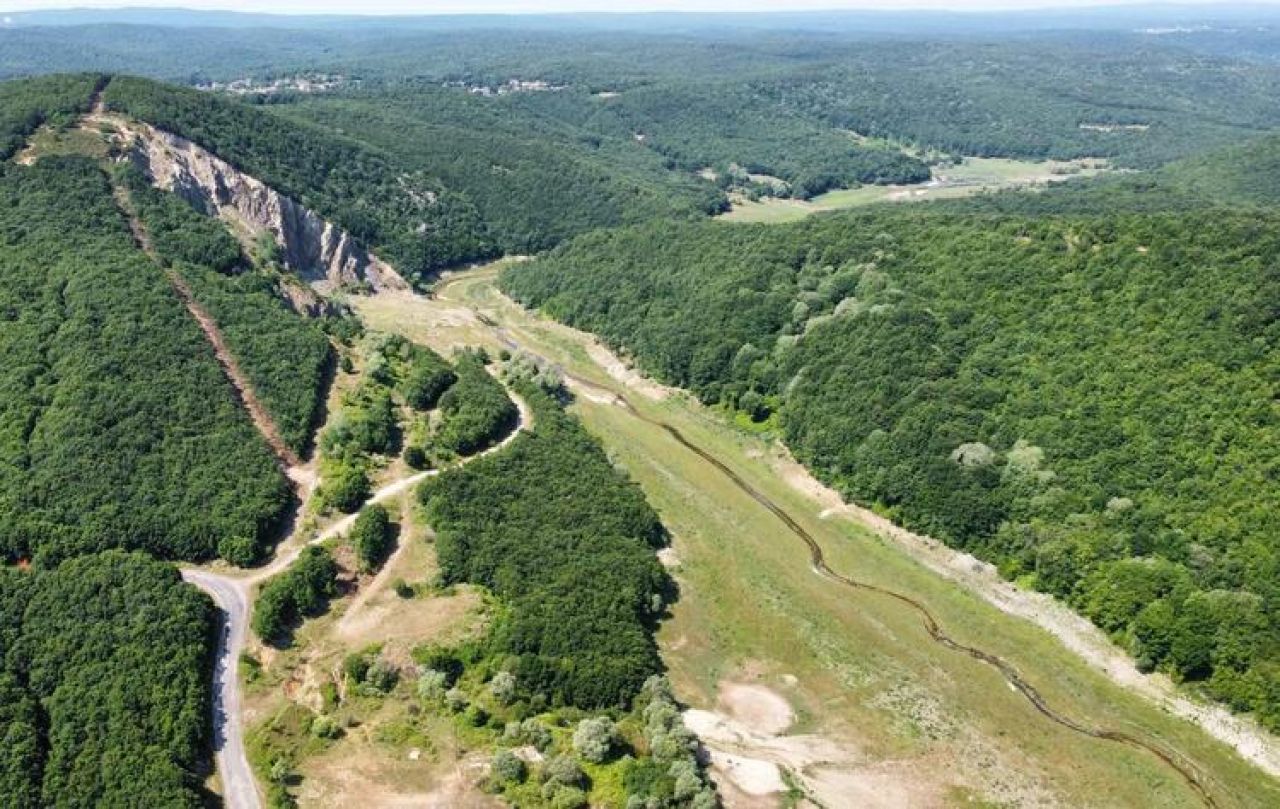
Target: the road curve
pixel 231 594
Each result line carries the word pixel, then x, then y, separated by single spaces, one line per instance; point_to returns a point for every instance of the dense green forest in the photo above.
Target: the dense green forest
pixel 719 97
pixel 25 105
pixel 536 178
pixel 402 213
pixel 286 358
pixel 1087 401
pixel 477 411
pixel 104 697
pixel 567 544
pixel 724 126
pixel 119 428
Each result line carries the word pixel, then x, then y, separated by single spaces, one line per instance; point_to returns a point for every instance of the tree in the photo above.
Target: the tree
pixel 507 768
pixel 371 536
pixel 432 684
pixel 595 738
pixel 503 687
pixel 241 551
pixel 1192 639
pixel 345 488
pixel 302 590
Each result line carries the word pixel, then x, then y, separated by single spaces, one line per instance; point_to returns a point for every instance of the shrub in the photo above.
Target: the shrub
pixel 416 457
pixel 476 716
pixel 371 536
pixel 324 727
pixel 503 687
pixel 455 700
pixel 241 551
pixel 355 667
pixel 381 677
pixel 507 768
pixel 535 733
pixel 432 685
pixel 568 798
pixel 345 488
pixel 563 771
pixel 595 738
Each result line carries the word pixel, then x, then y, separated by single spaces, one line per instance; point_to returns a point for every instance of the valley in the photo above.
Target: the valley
pixel 713 640
pixel 639 412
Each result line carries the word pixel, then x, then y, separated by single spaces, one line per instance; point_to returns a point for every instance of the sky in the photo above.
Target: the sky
pixel 543 6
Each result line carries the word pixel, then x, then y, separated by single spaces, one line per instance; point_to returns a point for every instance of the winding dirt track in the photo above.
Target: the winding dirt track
pixel 232 596
pixel 1185 769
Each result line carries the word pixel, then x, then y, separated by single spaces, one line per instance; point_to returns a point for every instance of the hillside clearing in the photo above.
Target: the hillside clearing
pixel 974 175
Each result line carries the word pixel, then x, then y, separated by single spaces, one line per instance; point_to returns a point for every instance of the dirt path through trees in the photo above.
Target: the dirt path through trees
pixel 233 594
pixel 245 393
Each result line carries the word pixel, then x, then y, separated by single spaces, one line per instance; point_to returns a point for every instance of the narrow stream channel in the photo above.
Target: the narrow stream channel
pixel 1173 760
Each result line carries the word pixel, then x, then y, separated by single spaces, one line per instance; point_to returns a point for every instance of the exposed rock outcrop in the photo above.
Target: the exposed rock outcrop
pixel 305 301
pixel 317 250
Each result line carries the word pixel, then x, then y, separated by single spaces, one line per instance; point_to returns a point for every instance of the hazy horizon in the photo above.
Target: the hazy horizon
pixel 409 8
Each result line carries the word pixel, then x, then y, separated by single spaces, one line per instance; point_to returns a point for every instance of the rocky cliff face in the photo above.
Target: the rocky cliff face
pixel 317 250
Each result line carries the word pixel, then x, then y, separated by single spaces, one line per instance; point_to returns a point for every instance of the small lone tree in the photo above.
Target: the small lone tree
pixel 432 684
pixel 371 537
pixel 595 738
pixel 507 768
pixel 503 687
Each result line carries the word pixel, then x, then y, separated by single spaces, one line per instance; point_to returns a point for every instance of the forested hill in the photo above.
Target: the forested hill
pixel 119 428
pixel 1086 400
pixel 428 178
pixel 535 178
pixel 1245 174
pixel 104 670
pixel 409 217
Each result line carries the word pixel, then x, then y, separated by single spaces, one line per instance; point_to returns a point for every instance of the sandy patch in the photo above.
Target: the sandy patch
pixel 669 558
pixel 619 370
pixel 412 620
pixel 720 732
pixel 749 753
pixel 751 775
pixel 748 765
pixel 367 778
pixel 889 784
pixel 757 707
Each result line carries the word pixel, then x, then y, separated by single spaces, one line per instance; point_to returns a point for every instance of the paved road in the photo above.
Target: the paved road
pixel 239 790
pixel 231 594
